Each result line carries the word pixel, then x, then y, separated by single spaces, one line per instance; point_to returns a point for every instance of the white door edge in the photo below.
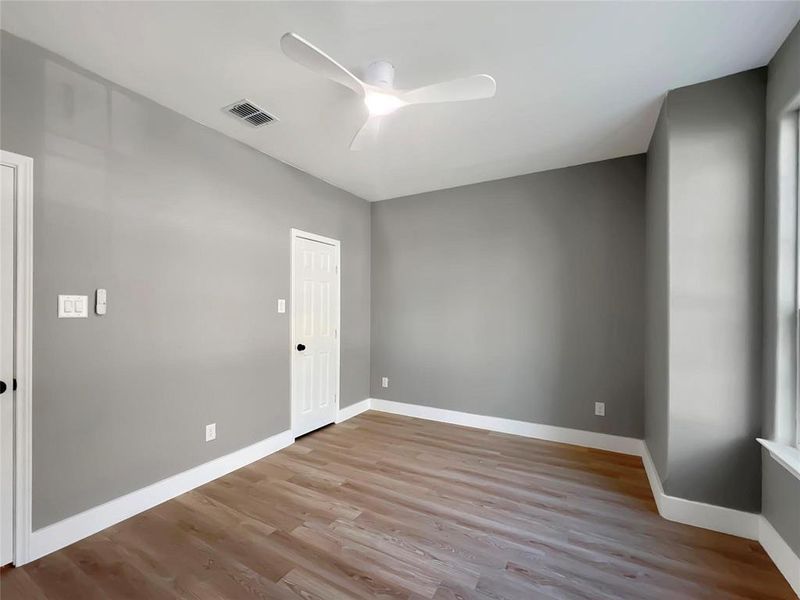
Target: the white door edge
pixel 23 165
pixel 299 233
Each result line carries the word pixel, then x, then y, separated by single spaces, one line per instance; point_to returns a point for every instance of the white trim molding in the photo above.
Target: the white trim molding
pixel 725 520
pixel 782 555
pixel 552 433
pixel 786 456
pixel 23 397
pixel 63 533
pixel 717 518
pixel 689 512
pixel 348 412
pixel 699 514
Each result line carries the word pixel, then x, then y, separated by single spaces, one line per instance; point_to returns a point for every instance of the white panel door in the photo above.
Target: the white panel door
pixel 315 323
pixel 7 203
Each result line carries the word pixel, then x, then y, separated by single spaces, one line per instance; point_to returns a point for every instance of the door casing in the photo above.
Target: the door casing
pixel 23 332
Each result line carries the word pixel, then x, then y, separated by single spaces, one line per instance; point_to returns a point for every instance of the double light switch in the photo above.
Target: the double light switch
pixel 72 307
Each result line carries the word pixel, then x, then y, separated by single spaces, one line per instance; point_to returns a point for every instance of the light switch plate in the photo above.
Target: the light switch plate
pixel 211 432
pixel 600 409
pixel 281 305
pixel 72 307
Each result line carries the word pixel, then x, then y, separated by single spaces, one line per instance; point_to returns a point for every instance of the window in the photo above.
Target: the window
pixel 797 278
pixel 784 446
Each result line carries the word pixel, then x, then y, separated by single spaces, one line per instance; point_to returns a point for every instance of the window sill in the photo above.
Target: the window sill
pixel 785 455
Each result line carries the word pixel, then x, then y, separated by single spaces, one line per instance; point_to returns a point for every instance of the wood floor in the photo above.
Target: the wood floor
pixel 383 506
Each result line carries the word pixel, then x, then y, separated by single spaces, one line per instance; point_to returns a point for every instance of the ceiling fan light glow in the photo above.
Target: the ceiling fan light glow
pixel 382 104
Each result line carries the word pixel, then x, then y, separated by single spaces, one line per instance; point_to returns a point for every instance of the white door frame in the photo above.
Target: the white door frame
pixel 23 165
pixel 294 234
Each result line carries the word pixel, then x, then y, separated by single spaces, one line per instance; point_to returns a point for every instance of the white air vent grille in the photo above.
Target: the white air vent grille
pixel 246 111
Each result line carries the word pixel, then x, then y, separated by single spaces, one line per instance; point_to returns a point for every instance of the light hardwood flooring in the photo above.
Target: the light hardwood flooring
pixel 384 506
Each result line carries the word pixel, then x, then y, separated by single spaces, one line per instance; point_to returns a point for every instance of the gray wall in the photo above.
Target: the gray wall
pixel 710 146
pixel 656 408
pixel 781 490
pixel 520 298
pixel 781 500
pixel 189 232
pixel 716 191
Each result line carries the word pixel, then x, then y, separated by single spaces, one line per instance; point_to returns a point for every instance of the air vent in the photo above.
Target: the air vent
pixel 246 111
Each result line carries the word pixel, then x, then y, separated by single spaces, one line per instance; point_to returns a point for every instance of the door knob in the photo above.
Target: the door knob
pixel 2 386
pixel 300 347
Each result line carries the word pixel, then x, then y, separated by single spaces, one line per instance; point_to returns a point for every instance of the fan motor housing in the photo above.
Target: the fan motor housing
pixel 380 74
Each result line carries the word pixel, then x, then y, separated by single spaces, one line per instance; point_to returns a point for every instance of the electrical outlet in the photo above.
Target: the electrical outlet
pixel 211 432
pixel 600 409
pixel 281 305
pixel 385 382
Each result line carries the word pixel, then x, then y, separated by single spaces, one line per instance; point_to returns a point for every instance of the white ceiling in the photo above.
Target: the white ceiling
pixel 576 81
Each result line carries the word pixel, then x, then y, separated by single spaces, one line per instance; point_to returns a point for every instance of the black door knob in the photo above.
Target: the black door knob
pixel 301 347
pixel 2 386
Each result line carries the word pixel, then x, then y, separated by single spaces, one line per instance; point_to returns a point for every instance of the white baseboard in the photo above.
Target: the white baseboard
pixel 63 533
pixel 690 512
pixel 717 518
pixel 68 531
pixel 699 514
pixel 348 412
pixel 552 433
pixel 726 520
pixel 782 555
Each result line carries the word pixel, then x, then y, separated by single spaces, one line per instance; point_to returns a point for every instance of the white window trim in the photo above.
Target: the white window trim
pixel 787 453
pixel 797 279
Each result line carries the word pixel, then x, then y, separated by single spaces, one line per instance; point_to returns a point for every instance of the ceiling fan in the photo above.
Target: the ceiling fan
pixel 377 91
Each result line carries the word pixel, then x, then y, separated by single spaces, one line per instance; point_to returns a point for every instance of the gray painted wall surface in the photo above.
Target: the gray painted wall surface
pixel 781 501
pixel 714 162
pixel 656 408
pixel 189 232
pixel 716 191
pixel 520 298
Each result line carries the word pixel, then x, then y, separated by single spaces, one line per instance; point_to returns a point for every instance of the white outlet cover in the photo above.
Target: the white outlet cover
pixel 281 305
pixel 211 432
pixel 385 382
pixel 600 409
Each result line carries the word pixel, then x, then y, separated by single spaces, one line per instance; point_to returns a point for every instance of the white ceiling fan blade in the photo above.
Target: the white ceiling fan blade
pixel 368 134
pixel 308 55
pixel 475 87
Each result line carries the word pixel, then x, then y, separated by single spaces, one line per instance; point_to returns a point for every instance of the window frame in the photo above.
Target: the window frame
pixel 797 278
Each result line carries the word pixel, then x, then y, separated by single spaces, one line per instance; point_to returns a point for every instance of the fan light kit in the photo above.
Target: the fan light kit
pixel 377 91
pixel 382 104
